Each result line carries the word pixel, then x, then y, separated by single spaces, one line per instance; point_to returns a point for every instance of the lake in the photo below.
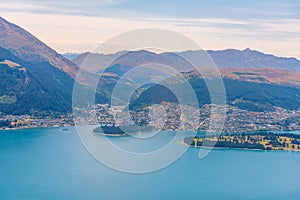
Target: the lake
pixel 53 164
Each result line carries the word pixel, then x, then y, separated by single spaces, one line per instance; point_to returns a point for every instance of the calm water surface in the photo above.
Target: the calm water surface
pixel 53 164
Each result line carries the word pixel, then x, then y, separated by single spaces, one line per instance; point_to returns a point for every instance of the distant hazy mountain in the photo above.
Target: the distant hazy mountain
pixel 229 58
pixel 232 58
pixel 98 62
pixel 234 64
pixel 70 56
pixel 27 47
pixel 248 58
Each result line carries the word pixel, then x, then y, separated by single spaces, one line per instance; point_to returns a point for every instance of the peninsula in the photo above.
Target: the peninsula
pixel 257 140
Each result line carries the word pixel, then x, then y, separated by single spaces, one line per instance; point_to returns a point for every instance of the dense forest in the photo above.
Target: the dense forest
pixel 249 96
pixel 33 86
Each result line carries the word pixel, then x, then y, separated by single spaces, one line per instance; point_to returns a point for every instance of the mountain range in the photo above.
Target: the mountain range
pixel 247 58
pixel 244 65
pixel 229 58
pixel 35 78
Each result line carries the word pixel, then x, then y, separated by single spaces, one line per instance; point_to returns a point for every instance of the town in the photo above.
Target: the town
pixel 166 116
pixel 29 121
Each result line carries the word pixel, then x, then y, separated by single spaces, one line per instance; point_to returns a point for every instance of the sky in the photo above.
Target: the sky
pixel 271 26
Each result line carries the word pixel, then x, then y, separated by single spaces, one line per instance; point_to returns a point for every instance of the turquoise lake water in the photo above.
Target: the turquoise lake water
pixel 53 164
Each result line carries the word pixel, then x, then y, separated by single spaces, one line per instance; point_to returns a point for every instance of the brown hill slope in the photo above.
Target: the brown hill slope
pixel 26 46
pixel 263 75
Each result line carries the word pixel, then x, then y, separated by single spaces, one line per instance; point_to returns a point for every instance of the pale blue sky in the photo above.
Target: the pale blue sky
pixel 271 26
pixel 235 9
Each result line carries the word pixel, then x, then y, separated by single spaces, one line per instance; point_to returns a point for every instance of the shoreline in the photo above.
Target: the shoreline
pixel 253 131
pixel 220 148
pixel 181 142
pixel 26 128
pixel 243 149
pixel 110 135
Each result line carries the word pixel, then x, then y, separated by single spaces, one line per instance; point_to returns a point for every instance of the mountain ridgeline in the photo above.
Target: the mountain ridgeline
pixel 247 58
pixel 229 58
pixel 29 48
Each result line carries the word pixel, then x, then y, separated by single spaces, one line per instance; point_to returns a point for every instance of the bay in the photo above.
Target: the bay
pixel 50 163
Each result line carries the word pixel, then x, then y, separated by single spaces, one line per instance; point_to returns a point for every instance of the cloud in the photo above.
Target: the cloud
pixel 262 28
pixel 74 7
pixel 32 8
pixel 83 33
pixel 81 25
pixel 279 4
pixel 19 6
pixel 134 8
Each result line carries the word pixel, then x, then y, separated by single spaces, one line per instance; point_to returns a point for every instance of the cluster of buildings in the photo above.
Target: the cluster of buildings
pixel 27 121
pixel 179 117
pixel 167 116
pixel 238 120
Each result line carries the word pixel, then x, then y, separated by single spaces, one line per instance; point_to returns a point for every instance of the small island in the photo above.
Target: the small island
pixel 257 141
pixel 114 130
